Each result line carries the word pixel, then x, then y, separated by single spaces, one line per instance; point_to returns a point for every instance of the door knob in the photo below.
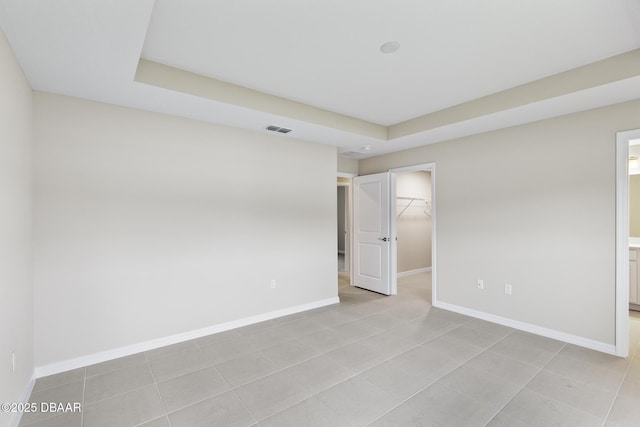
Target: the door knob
pixel 384 239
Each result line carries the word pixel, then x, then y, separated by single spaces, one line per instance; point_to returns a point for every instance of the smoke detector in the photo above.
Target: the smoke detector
pixel 390 47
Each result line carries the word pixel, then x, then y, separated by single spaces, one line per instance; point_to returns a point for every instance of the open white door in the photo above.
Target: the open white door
pixel 371 239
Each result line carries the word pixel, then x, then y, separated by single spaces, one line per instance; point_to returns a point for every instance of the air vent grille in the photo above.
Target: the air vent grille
pixel 353 154
pixel 273 128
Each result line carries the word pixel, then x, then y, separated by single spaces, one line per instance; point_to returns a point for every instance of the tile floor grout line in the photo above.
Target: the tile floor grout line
pixel 147 362
pixel 353 374
pixel 116 370
pixel 155 383
pixel 322 353
pixel 203 399
pixel 435 380
pixel 239 399
pixel 540 369
pixel 84 390
pixel 84 380
pixel 232 388
pixel 199 401
pixel 565 404
pixel 561 375
pixel 153 419
pixel 57 386
pixel 617 394
pixel 444 375
pixel 389 349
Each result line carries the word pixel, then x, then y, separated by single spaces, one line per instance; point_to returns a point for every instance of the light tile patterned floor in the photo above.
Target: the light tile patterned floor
pixel 370 360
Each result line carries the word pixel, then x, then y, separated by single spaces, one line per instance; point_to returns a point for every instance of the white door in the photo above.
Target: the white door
pixel 372 242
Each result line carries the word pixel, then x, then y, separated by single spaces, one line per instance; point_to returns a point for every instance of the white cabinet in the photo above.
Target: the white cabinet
pixel 633 276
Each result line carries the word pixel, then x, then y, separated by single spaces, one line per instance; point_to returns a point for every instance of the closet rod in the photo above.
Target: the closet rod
pixel 411 200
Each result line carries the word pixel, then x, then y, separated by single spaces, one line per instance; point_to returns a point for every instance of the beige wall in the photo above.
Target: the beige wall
pixel 532 206
pixel 414 225
pixel 16 288
pixel 148 225
pixel 347 165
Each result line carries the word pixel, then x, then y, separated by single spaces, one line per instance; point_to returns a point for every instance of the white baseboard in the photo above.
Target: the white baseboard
pixel 413 272
pixel 91 359
pixel 528 327
pixel 24 398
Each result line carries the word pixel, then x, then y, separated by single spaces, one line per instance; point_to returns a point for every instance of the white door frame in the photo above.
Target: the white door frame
pixel 347 225
pixel 622 240
pixel 348 244
pixel 431 167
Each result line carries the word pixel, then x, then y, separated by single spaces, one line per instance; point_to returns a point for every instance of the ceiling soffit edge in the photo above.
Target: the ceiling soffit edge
pixel 609 70
pixel 164 76
pixel 613 69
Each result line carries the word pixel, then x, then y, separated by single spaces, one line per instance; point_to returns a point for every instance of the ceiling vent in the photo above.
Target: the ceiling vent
pixel 273 128
pixel 352 154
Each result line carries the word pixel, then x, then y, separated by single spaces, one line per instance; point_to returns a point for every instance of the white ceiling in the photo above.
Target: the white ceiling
pixel 325 53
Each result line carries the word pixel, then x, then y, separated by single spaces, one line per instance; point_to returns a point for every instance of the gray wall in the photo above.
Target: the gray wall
pixel 148 225
pixel 16 287
pixel 532 206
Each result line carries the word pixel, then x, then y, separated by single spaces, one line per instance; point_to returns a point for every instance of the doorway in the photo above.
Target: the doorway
pixel 634 226
pixel 623 142
pixel 375 229
pixel 413 233
pixel 344 231
pixel 413 225
pixel 343 235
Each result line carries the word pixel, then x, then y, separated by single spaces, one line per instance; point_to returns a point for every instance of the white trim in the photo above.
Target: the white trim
pixel 79 362
pixel 434 252
pixel 414 272
pixel 347 175
pixel 414 168
pixel 393 233
pixel 348 244
pixel 622 243
pixel 534 329
pixel 24 398
pixel 431 167
pixel 622 240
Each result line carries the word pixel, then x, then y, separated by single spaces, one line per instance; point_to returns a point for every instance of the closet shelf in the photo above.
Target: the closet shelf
pixel 411 200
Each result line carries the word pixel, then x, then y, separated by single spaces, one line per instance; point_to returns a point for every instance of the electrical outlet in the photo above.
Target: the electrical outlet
pixel 480 284
pixel 13 361
pixel 507 289
pixel 273 283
